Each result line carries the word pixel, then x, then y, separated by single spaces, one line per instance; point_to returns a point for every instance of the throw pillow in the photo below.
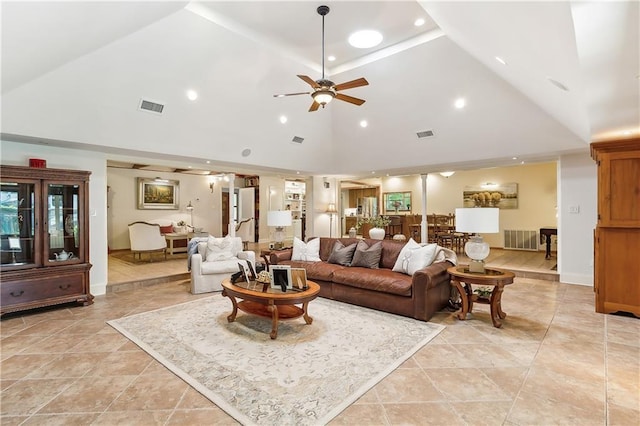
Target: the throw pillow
pixel 219 249
pixel 367 256
pixel 342 255
pixel 309 251
pixel 413 257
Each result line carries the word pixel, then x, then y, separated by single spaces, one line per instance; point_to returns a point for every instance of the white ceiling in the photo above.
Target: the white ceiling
pixel 73 74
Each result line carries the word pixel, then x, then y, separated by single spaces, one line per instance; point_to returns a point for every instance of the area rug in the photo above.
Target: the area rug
pixel 307 376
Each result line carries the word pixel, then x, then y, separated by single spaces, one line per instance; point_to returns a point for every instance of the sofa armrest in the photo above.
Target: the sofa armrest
pixel 280 255
pixel 431 275
pixel 431 289
pixel 196 263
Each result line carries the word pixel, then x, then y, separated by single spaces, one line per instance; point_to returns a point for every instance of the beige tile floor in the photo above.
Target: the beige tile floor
pixel 554 361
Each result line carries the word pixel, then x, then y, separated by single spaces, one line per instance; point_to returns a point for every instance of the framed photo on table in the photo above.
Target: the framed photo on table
pixel 299 278
pixel 280 274
pixel 158 194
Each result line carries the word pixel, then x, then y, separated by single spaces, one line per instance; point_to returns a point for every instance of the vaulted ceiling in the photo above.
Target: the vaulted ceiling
pixel 74 74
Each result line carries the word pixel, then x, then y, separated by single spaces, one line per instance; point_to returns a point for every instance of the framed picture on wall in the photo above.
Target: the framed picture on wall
pixel 158 194
pixel 502 196
pixel 395 202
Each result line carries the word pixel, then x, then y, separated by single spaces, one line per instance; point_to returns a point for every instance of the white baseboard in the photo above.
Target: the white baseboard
pixel 98 289
pixel 580 279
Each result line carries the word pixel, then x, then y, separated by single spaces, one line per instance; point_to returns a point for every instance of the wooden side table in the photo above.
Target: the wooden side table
pixel 462 279
pixel 172 238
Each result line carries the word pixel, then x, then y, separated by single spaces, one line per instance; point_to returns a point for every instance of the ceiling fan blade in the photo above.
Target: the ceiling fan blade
pixel 314 106
pixel 282 95
pixel 308 80
pixel 350 99
pixel 351 84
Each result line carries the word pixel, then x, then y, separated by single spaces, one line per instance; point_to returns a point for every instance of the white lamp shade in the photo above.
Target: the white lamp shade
pixel 279 218
pixel 478 220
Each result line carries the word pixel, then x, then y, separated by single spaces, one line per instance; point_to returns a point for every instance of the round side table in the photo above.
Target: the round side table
pixel 462 279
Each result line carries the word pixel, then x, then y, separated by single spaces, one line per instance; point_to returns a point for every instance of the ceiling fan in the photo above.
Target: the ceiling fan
pixel 324 91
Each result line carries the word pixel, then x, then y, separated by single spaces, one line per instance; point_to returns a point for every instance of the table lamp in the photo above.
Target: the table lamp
pixel 279 219
pixel 190 210
pixel 477 220
pixel 331 209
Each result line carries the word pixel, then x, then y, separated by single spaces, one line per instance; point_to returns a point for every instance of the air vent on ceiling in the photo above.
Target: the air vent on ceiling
pixel 297 139
pixel 151 106
pixel 425 134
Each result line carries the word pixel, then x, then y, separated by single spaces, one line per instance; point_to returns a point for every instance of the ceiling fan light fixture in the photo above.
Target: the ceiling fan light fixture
pixel 323 96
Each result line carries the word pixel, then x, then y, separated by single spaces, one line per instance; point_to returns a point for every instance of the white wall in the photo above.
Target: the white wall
pixel 537 194
pixel 578 186
pixel 123 209
pixel 18 154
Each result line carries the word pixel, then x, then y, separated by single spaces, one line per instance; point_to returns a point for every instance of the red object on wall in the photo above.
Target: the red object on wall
pixel 37 163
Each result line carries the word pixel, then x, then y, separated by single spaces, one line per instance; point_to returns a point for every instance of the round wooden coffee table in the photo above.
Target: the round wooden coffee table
pixel 262 300
pixel 462 279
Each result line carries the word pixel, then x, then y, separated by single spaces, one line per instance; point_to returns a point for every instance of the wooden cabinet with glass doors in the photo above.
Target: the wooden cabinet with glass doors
pixel 44 238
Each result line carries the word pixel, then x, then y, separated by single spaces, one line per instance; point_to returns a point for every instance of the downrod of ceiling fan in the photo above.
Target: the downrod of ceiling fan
pixel 322 11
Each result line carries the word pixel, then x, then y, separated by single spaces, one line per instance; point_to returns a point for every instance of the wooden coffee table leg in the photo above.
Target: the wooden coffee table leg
pixel 462 315
pixel 274 320
pixel 232 316
pixel 306 316
pixel 496 310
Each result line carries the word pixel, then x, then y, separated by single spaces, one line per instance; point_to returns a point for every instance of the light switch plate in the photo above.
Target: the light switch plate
pixel 574 209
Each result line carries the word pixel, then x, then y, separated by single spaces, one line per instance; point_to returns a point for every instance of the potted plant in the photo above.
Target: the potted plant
pixel 377 225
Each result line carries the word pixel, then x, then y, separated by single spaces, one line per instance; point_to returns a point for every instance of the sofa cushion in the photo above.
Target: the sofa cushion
pixel 382 280
pixel 414 257
pixel 228 266
pixel 367 256
pixel 342 255
pixel 166 229
pixel 309 251
pixel 320 271
pixel 219 249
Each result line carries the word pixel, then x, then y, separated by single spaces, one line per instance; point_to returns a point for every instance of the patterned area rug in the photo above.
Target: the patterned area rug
pixel 308 375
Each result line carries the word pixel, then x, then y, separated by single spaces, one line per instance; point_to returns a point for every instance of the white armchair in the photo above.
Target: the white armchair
pixel 146 237
pixel 215 260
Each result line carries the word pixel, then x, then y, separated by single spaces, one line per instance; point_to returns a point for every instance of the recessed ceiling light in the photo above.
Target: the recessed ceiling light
pixel 283 119
pixel 419 22
pixel 365 39
pixel 502 61
pixel 514 158
pixel 364 123
pixel 191 167
pixel 208 162
pixel 373 172
pixel 460 103
pixel 192 95
pixel 558 84
pixel 331 58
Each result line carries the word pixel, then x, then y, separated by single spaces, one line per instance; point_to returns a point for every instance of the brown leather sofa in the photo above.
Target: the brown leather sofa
pixel 419 296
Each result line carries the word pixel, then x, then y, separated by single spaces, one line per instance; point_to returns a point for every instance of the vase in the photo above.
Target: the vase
pixel 376 233
pixel 352 232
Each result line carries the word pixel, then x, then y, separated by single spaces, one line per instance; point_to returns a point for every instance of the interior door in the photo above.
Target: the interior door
pixel 225 213
pixel 247 208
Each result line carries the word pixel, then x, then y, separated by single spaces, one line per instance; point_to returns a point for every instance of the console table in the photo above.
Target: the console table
pixel 462 279
pixel 548 232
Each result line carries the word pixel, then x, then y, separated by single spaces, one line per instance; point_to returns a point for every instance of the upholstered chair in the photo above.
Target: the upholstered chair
pixel 215 260
pixel 146 238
